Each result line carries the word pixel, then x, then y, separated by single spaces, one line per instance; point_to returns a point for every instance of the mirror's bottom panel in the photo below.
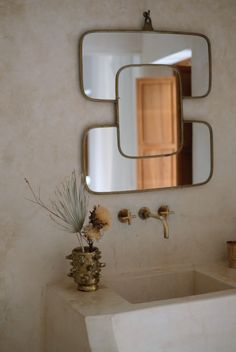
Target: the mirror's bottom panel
pixel 107 171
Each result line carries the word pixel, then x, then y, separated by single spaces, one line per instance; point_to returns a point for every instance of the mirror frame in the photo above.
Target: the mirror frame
pixel 81 40
pixel 179 109
pixel 85 166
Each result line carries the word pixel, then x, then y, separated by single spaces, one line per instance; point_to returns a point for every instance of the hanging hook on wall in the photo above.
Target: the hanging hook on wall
pixel 147 21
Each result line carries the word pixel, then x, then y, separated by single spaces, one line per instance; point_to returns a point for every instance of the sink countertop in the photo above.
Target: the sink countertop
pixel 105 301
pixel 100 302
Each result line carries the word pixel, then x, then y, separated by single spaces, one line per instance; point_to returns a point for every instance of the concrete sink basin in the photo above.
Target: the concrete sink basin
pixel 162 286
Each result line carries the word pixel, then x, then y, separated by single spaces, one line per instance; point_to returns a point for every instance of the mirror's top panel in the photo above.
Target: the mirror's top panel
pixel 149 110
pixel 107 171
pixel 103 53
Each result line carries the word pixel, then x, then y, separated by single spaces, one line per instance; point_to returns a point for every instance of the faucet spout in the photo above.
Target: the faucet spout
pixel 163 212
pixel 165 226
pixel 164 222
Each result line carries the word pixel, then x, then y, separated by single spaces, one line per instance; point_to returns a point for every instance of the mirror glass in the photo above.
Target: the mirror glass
pixel 107 170
pixel 103 53
pixel 149 110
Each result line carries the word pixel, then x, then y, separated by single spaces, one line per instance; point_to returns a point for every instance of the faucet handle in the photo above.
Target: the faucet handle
pixel 125 216
pixel 164 211
pixel 144 213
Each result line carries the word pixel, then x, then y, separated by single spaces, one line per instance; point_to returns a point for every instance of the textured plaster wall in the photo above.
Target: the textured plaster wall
pixel 43 116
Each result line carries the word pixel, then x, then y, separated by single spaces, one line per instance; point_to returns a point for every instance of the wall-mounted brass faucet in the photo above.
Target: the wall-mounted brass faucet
pixel 162 214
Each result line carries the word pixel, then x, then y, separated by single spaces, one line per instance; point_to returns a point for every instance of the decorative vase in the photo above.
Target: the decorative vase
pixel 86 268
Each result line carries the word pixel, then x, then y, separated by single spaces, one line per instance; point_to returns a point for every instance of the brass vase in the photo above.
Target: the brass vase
pixel 86 268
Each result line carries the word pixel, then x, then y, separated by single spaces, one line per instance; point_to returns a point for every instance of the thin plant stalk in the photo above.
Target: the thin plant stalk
pixel 37 200
pixel 80 241
pixel 68 209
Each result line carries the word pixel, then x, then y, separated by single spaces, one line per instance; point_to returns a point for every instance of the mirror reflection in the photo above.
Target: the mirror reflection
pixel 103 53
pixel 149 110
pixel 107 170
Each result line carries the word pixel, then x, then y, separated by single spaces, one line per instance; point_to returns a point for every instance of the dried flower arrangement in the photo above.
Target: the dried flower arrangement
pixel 69 209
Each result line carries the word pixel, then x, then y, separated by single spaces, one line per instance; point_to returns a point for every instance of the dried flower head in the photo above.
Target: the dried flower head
pixel 92 233
pixel 100 218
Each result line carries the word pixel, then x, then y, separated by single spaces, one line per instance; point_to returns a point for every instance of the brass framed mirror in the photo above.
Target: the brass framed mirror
pixel 107 171
pixel 149 110
pixel 104 52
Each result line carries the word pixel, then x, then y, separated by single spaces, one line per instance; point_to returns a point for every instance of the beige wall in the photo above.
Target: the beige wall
pixel 43 116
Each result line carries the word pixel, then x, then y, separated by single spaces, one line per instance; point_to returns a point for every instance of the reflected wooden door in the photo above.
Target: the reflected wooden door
pixel 157 131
